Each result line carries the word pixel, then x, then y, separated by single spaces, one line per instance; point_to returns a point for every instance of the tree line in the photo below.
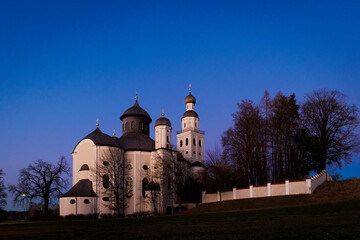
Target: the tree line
pixel 282 139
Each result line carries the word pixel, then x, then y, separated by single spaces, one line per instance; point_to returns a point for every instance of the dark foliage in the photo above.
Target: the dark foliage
pixel 3 194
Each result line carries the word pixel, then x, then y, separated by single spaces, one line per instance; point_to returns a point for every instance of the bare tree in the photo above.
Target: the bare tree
pixel 41 180
pixel 169 173
pixel 244 141
pixel 332 123
pixel 220 172
pixel 3 194
pixel 112 171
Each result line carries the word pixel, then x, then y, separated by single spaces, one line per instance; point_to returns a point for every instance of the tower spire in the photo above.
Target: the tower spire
pixel 136 97
pixel 97 122
pixel 114 133
pixel 190 88
pixel 162 113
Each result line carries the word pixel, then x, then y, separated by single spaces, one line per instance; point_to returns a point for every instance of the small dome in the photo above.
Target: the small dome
pixel 163 121
pixel 190 99
pixel 136 110
pixel 190 113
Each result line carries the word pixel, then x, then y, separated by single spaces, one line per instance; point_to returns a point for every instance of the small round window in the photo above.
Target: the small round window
pixel 106 199
pixel 72 201
pixel 86 201
pixel 145 167
pixel 106 163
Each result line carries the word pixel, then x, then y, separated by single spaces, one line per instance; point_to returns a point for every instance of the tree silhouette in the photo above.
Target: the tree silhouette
pixel 41 180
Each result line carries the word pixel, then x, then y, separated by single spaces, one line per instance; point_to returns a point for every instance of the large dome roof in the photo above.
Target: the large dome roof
pixel 137 142
pixel 136 110
pixel 101 139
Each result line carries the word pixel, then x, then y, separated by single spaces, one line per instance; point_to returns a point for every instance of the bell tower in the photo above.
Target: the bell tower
pixel 190 140
pixel 163 132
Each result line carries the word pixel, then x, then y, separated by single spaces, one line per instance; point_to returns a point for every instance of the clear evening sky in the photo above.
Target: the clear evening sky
pixel 63 64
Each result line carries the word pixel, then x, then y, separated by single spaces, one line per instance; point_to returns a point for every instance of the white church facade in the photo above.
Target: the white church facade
pixel 141 160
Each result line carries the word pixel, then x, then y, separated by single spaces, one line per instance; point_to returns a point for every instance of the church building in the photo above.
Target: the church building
pixel 134 166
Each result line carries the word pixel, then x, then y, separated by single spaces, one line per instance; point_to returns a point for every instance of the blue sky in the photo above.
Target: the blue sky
pixel 63 64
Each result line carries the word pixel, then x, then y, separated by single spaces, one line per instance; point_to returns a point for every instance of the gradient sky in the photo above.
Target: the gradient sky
pixel 63 64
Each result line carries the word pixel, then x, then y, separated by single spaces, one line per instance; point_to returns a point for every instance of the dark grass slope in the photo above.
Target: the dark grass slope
pixel 322 219
pixel 328 192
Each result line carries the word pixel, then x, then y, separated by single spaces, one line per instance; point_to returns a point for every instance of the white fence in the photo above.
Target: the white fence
pixel 306 186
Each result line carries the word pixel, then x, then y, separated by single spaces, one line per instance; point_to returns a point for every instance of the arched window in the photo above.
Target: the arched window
pixel 184 125
pixel 187 142
pixel 132 125
pixel 145 182
pixel 106 181
pixel 180 143
pixel 84 167
pixel 141 126
pixel 194 142
pixel 199 143
pixel 167 138
pixel 127 126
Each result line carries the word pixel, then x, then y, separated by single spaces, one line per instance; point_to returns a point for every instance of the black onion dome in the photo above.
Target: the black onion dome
pixel 101 139
pixel 136 110
pixel 190 99
pixel 190 113
pixel 163 121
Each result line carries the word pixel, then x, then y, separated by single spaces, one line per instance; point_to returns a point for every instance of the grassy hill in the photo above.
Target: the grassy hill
pixel 333 212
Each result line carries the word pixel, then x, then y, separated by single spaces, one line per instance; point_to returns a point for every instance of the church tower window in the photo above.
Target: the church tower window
pixel 145 182
pixel 132 125
pixel 180 143
pixel 187 142
pixel 106 181
pixel 199 143
pixel 194 142
pixel 127 126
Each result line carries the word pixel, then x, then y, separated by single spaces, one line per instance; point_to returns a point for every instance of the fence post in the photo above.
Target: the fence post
pixel 251 187
pixel 308 185
pixel 234 193
pixel 218 196
pixel 203 196
pixel 269 189
pixel 287 187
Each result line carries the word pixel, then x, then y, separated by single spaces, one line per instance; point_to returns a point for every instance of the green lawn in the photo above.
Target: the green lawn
pixel 338 220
